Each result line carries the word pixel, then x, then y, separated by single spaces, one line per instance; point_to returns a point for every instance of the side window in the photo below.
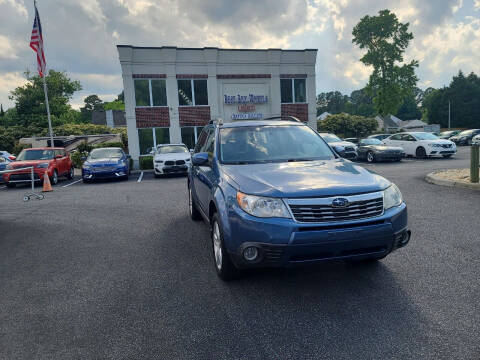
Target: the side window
pixel 408 137
pixel 202 139
pixel 210 144
pixel 396 137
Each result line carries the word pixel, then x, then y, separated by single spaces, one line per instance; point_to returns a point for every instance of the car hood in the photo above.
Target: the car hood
pixel 172 156
pixel 102 162
pixel 26 163
pixel 342 143
pixel 384 147
pixel 304 179
pixel 438 141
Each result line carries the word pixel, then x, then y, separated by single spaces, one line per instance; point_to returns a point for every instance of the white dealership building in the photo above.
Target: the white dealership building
pixel 171 93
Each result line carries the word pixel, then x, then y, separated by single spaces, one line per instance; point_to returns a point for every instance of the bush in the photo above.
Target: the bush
pixel 84 147
pixel 348 125
pixel 76 157
pixel 146 162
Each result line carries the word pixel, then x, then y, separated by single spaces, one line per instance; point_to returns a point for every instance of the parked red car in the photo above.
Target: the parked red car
pixel 55 161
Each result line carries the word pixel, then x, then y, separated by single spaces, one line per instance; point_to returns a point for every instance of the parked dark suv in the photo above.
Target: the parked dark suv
pixel 465 137
pixel 275 194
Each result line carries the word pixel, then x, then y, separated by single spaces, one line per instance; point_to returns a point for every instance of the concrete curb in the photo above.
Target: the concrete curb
pixel 433 178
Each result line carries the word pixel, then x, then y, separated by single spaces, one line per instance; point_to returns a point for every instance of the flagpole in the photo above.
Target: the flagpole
pixel 48 110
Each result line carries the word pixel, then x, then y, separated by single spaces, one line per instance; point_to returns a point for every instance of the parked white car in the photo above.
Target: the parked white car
pixel 171 159
pixel 422 144
pixel 476 140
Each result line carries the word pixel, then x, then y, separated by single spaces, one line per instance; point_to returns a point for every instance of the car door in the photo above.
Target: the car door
pixel 205 175
pixel 394 140
pixel 409 144
pixel 196 174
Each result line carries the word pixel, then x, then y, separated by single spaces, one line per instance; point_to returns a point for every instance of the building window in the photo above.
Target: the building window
pixel 192 92
pixel 150 92
pixel 149 138
pixel 190 135
pixel 293 91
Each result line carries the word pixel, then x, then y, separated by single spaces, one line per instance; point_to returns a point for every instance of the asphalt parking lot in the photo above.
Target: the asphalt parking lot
pixel 117 270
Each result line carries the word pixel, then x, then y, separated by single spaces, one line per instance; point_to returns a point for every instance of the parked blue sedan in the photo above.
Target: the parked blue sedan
pixel 106 163
pixel 275 194
pixel 5 159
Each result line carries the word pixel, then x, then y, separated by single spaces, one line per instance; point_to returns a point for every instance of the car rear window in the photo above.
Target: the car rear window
pixel 257 144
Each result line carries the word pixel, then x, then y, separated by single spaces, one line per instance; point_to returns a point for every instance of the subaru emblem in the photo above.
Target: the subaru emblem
pixel 339 202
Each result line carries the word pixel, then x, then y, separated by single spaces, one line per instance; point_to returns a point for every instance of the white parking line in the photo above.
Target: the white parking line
pixel 140 177
pixel 72 183
pixel 3 187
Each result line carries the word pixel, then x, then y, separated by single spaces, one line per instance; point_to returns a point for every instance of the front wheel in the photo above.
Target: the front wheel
pixel 420 153
pixel 370 157
pixel 54 179
pixel 224 266
pixel 71 173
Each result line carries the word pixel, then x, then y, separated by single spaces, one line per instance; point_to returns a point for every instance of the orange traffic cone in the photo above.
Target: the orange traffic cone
pixel 46 183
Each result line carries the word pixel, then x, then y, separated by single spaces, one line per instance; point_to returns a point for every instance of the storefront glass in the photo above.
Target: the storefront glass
pixel 159 93
pixel 188 136
pixel 142 93
pixel 185 92
pixel 201 92
pixel 162 136
pixel 145 139
pixel 286 90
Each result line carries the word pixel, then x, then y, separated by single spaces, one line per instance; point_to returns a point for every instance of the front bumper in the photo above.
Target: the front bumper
pixel 104 174
pixel 441 151
pixel 171 169
pixel 285 242
pixel 24 176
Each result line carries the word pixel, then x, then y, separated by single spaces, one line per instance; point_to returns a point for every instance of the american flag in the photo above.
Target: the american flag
pixel 36 43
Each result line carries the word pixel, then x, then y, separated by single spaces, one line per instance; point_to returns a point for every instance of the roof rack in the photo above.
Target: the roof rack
pixel 285 117
pixel 217 120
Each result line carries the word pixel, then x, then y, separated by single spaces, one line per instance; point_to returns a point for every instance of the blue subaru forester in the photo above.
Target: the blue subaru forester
pixel 276 194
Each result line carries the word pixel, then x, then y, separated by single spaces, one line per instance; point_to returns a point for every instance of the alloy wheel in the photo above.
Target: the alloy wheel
pixel 217 246
pixel 370 157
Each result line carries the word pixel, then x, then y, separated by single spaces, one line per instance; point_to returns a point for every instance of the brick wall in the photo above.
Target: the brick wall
pixel 194 115
pixel 192 76
pixel 149 76
pixel 298 110
pixel 152 117
pixel 293 76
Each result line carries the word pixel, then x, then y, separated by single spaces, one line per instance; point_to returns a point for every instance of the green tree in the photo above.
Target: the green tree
pixel 30 99
pixel 386 40
pixel 92 103
pixel 409 109
pixel 333 102
pixel 463 93
pixel 346 125
pixel 114 105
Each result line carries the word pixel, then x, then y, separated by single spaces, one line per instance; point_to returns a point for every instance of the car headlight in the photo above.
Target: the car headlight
pixel 262 206
pixel 9 167
pixel 42 166
pixel 434 145
pixel 392 197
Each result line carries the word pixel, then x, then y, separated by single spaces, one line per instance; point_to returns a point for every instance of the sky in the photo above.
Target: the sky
pixel 81 36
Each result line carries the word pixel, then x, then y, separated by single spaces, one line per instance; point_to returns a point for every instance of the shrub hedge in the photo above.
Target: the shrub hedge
pixel 146 162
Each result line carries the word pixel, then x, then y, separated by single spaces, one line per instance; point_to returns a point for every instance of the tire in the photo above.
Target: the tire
pixel 447 156
pixel 370 157
pixel 194 213
pixel 420 153
pixel 54 178
pixel 85 181
pixel 11 185
pixel 224 266
pixel 71 173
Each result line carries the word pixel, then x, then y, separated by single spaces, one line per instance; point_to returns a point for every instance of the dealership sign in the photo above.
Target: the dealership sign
pixel 246 105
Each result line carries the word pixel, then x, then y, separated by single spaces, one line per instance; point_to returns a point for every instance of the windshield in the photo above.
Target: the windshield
pixel 372 141
pixel 466 132
pixel 35 155
pixel 329 138
pixel 242 145
pixel 425 136
pixel 170 149
pixel 105 154
pixel 446 133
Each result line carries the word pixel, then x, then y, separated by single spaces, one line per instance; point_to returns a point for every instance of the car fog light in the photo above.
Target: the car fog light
pixel 250 253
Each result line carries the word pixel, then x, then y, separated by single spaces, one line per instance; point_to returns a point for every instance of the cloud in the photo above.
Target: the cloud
pixel 8 82
pixel 80 36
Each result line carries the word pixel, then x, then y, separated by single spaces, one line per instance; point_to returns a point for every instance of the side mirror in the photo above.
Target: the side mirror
pixel 200 159
pixel 13 158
